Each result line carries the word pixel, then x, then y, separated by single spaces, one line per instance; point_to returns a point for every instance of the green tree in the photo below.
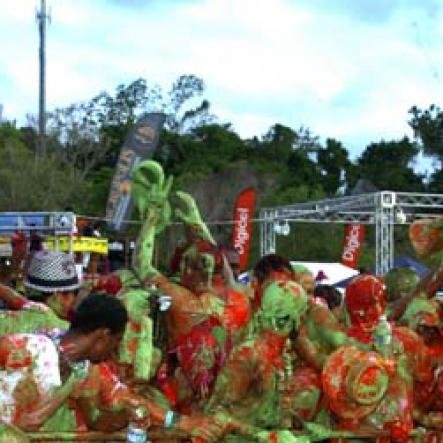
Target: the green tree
pixel 428 128
pixel 333 161
pixel 389 166
pixel 48 184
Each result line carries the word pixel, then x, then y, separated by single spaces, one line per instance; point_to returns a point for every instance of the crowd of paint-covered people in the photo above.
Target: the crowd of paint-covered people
pixel 196 356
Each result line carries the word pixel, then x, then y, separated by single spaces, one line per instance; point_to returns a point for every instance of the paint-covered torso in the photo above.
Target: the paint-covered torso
pixel 30 318
pixel 26 359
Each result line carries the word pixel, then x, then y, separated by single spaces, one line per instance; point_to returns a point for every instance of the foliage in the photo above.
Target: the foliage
pixel 335 166
pixel 388 165
pixel 48 184
pixel 428 128
pixel 286 165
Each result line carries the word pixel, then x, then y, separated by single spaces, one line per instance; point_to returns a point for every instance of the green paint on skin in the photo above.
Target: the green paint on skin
pixel 127 278
pixel 255 365
pixel 399 282
pixel 137 304
pixel 63 419
pixel 11 434
pixel 380 383
pixel 283 305
pixel 138 330
pixel 306 400
pixel 419 307
pixel 54 303
pixel 220 335
pixel 143 360
pixel 29 321
pixel 149 189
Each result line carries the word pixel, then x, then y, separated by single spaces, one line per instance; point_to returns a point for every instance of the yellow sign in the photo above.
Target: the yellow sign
pixel 79 244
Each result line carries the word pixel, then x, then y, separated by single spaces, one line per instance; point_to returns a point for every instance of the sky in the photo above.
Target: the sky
pixel 345 69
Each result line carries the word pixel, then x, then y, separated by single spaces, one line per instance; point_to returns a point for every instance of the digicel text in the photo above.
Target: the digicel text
pixel 241 232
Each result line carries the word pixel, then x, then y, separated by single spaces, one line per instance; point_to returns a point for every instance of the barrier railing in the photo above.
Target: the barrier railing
pixel 162 435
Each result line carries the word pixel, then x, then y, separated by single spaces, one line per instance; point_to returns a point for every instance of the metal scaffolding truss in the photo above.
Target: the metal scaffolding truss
pixel 383 209
pixel 55 222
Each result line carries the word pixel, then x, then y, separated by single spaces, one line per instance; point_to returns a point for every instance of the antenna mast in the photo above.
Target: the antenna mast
pixel 42 17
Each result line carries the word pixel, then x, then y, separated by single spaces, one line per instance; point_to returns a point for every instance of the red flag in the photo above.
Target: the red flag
pixel 243 215
pixel 354 237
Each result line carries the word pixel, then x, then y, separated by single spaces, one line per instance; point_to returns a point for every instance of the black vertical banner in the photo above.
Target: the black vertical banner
pixel 140 145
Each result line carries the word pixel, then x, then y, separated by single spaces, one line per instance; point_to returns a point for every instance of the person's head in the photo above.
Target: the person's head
pixel 283 305
pixel 98 325
pixel 272 264
pixel 198 264
pixel 109 284
pixel 400 282
pixel 365 301
pixel 53 275
pixel 330 294
pixel 305 277
pixel 422 316
pixel 426 237
pixel 233 258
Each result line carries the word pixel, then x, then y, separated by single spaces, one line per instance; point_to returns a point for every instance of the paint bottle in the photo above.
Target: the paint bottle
pixel 135 433
pixel 382 337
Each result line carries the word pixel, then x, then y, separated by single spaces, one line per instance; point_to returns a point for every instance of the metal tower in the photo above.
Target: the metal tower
pixel 41 18
pixel 383 209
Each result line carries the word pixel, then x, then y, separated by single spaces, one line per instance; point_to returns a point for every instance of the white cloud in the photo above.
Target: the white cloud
pixel 350 74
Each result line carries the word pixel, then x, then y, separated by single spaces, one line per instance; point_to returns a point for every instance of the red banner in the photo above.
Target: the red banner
pixel 354 237
pixel 243 215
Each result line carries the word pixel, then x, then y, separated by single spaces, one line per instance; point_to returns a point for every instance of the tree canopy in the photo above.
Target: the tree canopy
pixel 287 165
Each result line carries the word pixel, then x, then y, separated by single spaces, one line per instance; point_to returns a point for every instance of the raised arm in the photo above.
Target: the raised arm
pixel 196 228
pixel 427 240
pixel 13 299
pixel 150 192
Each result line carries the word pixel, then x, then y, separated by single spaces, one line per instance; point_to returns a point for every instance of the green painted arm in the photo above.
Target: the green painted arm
pixel 190 216
pixel 150 190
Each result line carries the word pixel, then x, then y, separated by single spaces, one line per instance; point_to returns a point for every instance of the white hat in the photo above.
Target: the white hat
pixel 52 271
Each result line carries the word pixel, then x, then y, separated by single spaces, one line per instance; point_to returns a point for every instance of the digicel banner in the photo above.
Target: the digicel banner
pixel 354 237
pixel 243 215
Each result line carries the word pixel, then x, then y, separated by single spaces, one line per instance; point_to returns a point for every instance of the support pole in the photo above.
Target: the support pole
pixel 41 19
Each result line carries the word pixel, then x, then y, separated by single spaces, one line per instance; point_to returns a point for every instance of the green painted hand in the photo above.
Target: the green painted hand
pixel 150 192
pixel 191 217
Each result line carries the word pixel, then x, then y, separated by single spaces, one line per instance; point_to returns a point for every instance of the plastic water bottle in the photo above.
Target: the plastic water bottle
pixel 382 337
pixel 134 433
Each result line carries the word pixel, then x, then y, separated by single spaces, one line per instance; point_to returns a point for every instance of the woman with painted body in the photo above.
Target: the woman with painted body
pixel 307 348
pixel 396 358
pixel 206 316
pixel 249 390
pixel 427 240
pixel 414 305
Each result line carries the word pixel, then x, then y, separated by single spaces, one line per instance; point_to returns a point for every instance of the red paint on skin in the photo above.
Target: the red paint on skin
pixel 237 311
pixel 365 301
pixel 132 345
pixel 273 437
pixel 272 348
pixel 424 237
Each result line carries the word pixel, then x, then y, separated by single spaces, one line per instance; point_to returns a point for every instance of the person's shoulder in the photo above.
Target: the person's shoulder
pixel 22 350
pixel 36 306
